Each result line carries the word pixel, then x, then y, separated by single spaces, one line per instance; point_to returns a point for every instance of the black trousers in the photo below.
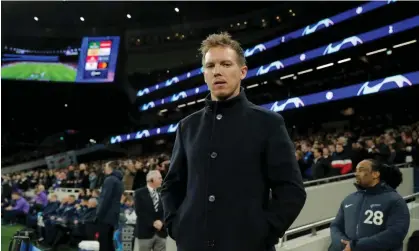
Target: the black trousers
pixel 105 236
pixel 13 216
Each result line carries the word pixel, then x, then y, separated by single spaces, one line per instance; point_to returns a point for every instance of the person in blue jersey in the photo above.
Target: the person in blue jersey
pixel 375 217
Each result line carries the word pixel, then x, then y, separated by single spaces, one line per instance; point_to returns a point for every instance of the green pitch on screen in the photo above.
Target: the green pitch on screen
pixel 39 71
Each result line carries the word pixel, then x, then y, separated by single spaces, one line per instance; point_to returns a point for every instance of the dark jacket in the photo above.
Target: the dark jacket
pixel 68 213
pixel 146 215
pixel 320 168
pixel 225 159
pixel 88 215
pixel 51 209
pixel 110 199
pixel 376 219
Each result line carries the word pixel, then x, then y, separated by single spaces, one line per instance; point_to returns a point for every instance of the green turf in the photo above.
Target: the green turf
pixel 51 72
pixel 7 233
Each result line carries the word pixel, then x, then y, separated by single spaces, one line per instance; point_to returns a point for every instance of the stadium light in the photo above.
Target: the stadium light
pixel 36 18
pixel 177 9
pixel 128 16
pixel 82 19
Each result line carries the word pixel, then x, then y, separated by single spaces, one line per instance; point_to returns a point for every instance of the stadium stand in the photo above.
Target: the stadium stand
pixel 345 78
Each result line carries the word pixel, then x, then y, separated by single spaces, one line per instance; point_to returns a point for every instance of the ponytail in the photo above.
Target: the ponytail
pixel 390 174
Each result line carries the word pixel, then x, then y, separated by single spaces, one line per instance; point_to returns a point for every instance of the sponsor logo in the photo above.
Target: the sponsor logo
pixel 375 205
pixel 250 52
pixel 400 80
pixel 325 22
pixel 354 41
pixel 346 206
pixel 277 65
pixel 296 102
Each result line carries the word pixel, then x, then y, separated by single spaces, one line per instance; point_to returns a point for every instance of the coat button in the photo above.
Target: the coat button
pixel 219 116
pixel 214 155
pixel 211 198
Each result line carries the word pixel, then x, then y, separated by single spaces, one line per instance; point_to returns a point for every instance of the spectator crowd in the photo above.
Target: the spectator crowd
pixel 28 197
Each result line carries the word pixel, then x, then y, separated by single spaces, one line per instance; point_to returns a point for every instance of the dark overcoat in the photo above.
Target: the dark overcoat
pixel 225 160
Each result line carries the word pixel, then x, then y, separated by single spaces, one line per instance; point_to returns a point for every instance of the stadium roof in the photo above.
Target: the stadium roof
pixel 147 14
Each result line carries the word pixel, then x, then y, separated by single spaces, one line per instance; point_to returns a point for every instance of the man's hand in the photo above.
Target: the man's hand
pixel 347 245
pixel 158 225
pixel 9 208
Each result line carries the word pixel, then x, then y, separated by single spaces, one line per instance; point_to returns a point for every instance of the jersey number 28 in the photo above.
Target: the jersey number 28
pixel 374 217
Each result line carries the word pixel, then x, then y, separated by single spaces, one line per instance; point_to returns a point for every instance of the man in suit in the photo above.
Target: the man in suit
pixel 149 231
pixel 226 159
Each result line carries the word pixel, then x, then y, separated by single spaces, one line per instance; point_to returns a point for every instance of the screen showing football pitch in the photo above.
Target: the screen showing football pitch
pixel 91 60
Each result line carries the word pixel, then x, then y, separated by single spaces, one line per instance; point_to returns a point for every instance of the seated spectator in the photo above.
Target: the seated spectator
pixel 82 205
pixel 19 211
pixel 6 192
pixel 341 162
pixel 23 182
pixel 408 149
pixel 123 199
pixel 332 149
pixel 95 193
pixel 129 211
pixel 321 166
pixel 64 217
pixel 41 199
pixel 82 195
pixel 83 227
pixel 37 205
pixel 45 217
pixel 326 154
pixel 358 153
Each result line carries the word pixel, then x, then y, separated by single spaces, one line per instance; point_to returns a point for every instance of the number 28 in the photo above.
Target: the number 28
pixel 375 218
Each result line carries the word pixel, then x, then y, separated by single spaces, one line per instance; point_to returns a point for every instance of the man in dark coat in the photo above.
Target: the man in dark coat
pixel 109 206
pixel 226 158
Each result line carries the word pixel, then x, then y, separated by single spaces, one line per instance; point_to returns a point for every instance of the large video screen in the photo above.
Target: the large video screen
pixel 92 60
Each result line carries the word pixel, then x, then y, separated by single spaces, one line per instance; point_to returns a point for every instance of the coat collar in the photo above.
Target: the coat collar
pixel 237 102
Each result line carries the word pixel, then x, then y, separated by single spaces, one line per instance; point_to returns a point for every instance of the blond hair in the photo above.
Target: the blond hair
pixel 222 39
